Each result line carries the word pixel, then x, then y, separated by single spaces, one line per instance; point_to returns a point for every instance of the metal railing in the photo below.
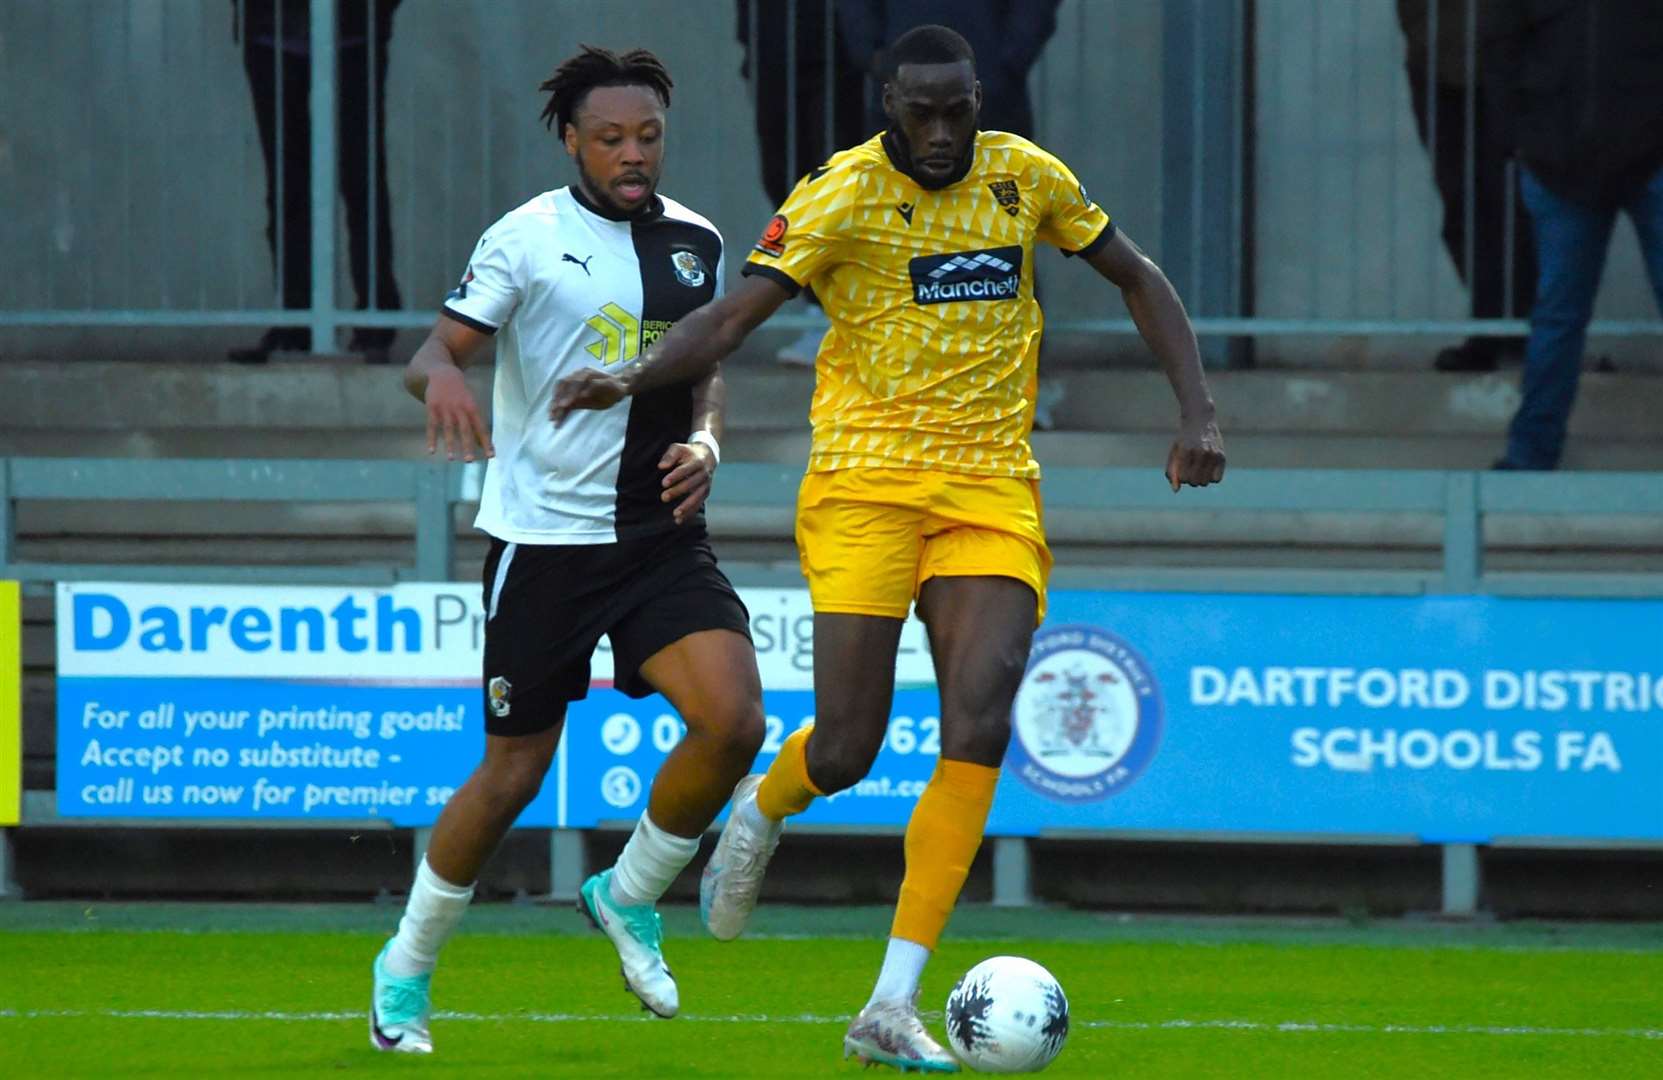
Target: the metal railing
pixel 1278 157
pixel 434 489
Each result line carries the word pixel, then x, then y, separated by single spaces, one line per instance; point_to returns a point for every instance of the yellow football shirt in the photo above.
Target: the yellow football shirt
pixel 931 360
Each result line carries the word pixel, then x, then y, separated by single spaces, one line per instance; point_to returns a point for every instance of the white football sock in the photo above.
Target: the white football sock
pixel 903 966
pixel 434 909
pixel 649 863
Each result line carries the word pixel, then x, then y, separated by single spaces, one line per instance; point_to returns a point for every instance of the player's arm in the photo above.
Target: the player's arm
pixel 690 466
pixel 434 376
pixel 688 352
pixel 1197 455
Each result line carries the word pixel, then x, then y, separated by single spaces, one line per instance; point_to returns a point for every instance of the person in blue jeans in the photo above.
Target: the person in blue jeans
pixel 1572 238
pixel 1582 85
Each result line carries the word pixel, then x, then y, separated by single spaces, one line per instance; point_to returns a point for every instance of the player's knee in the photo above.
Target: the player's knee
pixel 838 763
pixel 977 738
pixel 513 779
pixel 748 730
pixel 737 727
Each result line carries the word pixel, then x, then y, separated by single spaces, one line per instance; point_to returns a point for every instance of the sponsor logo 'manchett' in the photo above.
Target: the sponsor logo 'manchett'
pixel 994 274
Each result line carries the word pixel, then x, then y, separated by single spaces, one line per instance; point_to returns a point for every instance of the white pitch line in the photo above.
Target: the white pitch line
pixel 1279 1027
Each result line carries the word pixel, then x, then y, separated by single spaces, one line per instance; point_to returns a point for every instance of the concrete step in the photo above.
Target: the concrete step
pixel 314 396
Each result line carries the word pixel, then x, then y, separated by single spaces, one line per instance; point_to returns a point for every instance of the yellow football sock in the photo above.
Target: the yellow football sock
pixel 787 790
pixel 942 838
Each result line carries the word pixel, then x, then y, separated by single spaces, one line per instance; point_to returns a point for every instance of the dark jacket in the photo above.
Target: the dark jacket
pixel 1007 37
pixel 256 22
pixel 1450 49
pixel 1579 84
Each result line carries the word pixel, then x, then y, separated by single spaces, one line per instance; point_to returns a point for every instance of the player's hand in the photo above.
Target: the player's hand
pixel 1197 454
pixel 453 413
pixel 590 388
pixel 689 469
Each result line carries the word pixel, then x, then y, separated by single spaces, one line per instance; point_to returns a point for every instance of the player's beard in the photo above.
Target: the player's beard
pixel 602 193
pixel 903 150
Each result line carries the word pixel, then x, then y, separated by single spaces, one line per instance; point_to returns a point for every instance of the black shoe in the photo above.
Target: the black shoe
pixel 372 343
pixel 1474 354
pixel 1503 465
pixel 277 339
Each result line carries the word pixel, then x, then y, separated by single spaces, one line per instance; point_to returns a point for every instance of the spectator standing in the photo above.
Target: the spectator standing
pixel 1007 37
pixel 1581 82
pixel 276 38
pixel 783 38
pixel 1436 61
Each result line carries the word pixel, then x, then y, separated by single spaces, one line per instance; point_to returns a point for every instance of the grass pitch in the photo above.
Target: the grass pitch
pixel 524 990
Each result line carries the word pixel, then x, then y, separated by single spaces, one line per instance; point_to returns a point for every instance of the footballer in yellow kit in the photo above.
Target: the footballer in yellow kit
pixel 924 393
pixel 921 486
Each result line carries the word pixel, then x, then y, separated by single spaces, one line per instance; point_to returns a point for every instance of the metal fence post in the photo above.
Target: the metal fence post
pixel 1204 138
pixel 1011 865
pixel 1463 534
pixel 423 837
pixel 324 146
pixel 435 531
pixel 8 887
pixel 6 527
pixel 1460 880
pixel 566 863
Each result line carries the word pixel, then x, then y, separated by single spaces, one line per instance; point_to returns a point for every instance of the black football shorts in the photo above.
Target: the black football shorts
pixel 547 607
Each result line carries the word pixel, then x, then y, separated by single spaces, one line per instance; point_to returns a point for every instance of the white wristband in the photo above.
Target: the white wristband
pixel 702 437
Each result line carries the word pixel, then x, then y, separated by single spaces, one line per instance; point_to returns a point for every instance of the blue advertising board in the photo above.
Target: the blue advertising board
pixel 1445 718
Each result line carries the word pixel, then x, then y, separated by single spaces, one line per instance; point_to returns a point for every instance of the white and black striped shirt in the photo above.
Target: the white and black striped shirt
pixel 566 285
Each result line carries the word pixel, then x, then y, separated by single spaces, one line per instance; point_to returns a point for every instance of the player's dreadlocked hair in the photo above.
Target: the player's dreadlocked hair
pixel 929 44
pixel 593 67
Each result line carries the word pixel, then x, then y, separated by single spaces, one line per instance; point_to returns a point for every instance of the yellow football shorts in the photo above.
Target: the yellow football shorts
pixel 869 538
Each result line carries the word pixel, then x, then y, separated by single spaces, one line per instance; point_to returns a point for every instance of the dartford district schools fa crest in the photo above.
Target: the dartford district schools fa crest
pixel 1087 718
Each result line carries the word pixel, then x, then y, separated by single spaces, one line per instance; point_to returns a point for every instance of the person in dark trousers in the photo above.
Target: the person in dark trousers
pixel 276 37
pixel 791 42
pixel 1007 36
pixel 1436 64
pixel 1581 83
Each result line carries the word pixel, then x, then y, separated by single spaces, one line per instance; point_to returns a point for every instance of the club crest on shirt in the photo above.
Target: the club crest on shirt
pixel 499 690
pixel 689 268
pixel 1010 199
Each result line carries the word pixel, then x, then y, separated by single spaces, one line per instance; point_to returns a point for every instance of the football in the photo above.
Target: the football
pixel 1007 1014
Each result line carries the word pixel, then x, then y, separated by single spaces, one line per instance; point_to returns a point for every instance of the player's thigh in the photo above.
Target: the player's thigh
pixel 981 629
pixel 688 637
pixel 859 536
pixel 710 677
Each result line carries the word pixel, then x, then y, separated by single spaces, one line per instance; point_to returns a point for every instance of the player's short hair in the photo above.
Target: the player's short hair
pixel 929 44
pixel 592 67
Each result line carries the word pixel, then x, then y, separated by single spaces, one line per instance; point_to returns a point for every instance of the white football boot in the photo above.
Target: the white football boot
pixel 638 934
pixel 399 1010
pixel 890 1033
pixel 733 876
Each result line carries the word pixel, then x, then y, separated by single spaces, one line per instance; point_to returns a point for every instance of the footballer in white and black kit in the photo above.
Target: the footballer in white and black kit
pixel 582 542
pixel 597 529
